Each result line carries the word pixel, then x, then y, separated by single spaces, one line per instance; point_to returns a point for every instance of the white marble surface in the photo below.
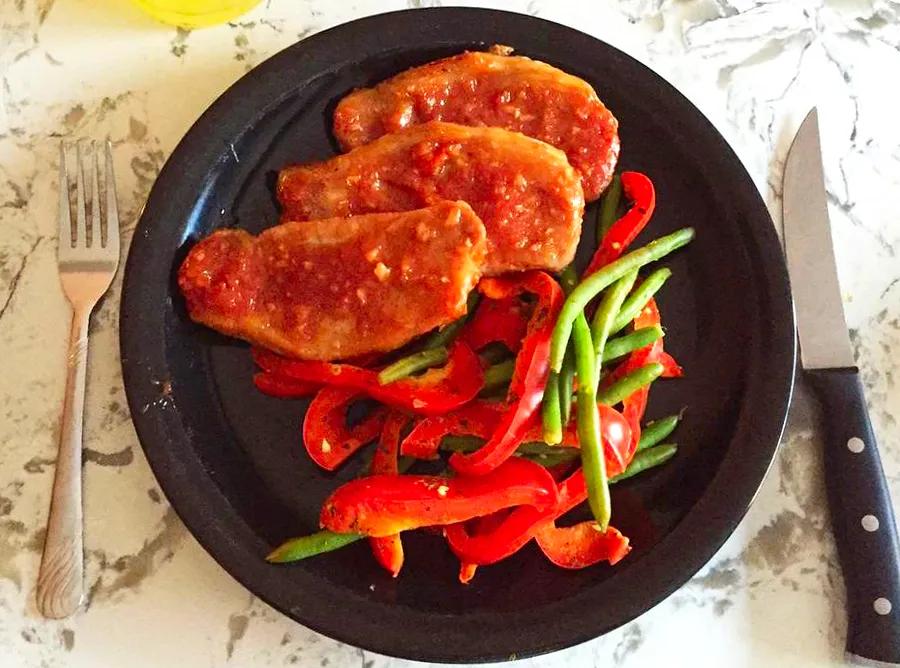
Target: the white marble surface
pixel 71 68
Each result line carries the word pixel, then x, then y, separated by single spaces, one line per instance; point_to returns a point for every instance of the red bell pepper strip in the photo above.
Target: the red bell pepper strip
pixel 381 505
pixel 616 432
pixel 529 376
pixel 477 418
pixel 484 524
pixel 671 368
pixel 283 388
pixel 436 391
pixel 648 317
pixel 497 321
pixel 521 525
pixel 508 538
pixel 328 439
pixel 639 189
pixel 385 458
pixel 581 545
pixel 388 550
pixel 633 407
pixel 467 572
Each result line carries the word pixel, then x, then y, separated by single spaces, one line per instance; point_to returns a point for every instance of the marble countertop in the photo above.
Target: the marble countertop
pixel 773 596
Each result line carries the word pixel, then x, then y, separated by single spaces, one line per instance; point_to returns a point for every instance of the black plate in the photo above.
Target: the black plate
pixel 231 462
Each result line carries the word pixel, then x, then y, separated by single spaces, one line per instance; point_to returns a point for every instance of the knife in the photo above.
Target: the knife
pixel 858 497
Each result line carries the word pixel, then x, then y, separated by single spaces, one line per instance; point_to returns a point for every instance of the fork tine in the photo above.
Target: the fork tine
pixel 97 236
pixel 65 215
pixel 80 217
pixel 112 207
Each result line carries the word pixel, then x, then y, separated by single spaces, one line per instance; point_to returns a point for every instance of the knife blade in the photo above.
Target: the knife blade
pixel 822 329
pixel 858 497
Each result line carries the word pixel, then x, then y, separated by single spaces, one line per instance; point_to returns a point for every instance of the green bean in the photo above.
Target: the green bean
pixel 498 374
pixel 446 336
pixel 593 460
pixel 649 456
pixel 581 337
pixel 405 463
pixel 593 284
pixel 648 459
pixel 407 366
pixel 656 431
pixel 534 448
pixel 564 456
pixel 609 207
pixel 461 443
pixel 309 546
pixel 568 278
pixel 627 343
pixel 638 299
pixel 606 312
pixel 566 386
pixel 538 449
pixel 630 383
pixel 551 410
pixel 550 455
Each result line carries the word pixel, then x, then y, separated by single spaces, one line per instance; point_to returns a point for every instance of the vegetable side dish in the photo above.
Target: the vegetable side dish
pixel 415 272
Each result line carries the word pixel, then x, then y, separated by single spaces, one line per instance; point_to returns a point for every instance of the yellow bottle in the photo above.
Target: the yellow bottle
pixel 196 13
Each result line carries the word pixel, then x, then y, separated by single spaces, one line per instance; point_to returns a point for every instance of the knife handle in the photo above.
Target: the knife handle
pixel 862 517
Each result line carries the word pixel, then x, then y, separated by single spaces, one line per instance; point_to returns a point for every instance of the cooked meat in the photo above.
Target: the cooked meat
pixel 524 190
pixel 340 287
pixel 511 92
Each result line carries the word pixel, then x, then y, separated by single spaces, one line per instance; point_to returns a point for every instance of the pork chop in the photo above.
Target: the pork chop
pixel 524 190
pixel 339 287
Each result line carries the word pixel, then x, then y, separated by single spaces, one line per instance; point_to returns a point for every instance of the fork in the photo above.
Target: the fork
pixel 88 257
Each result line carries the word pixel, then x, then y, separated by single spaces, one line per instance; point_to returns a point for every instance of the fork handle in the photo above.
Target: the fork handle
pixel 60 582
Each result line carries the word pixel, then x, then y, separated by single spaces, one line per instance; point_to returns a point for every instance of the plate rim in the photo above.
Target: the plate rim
pixel 138 364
